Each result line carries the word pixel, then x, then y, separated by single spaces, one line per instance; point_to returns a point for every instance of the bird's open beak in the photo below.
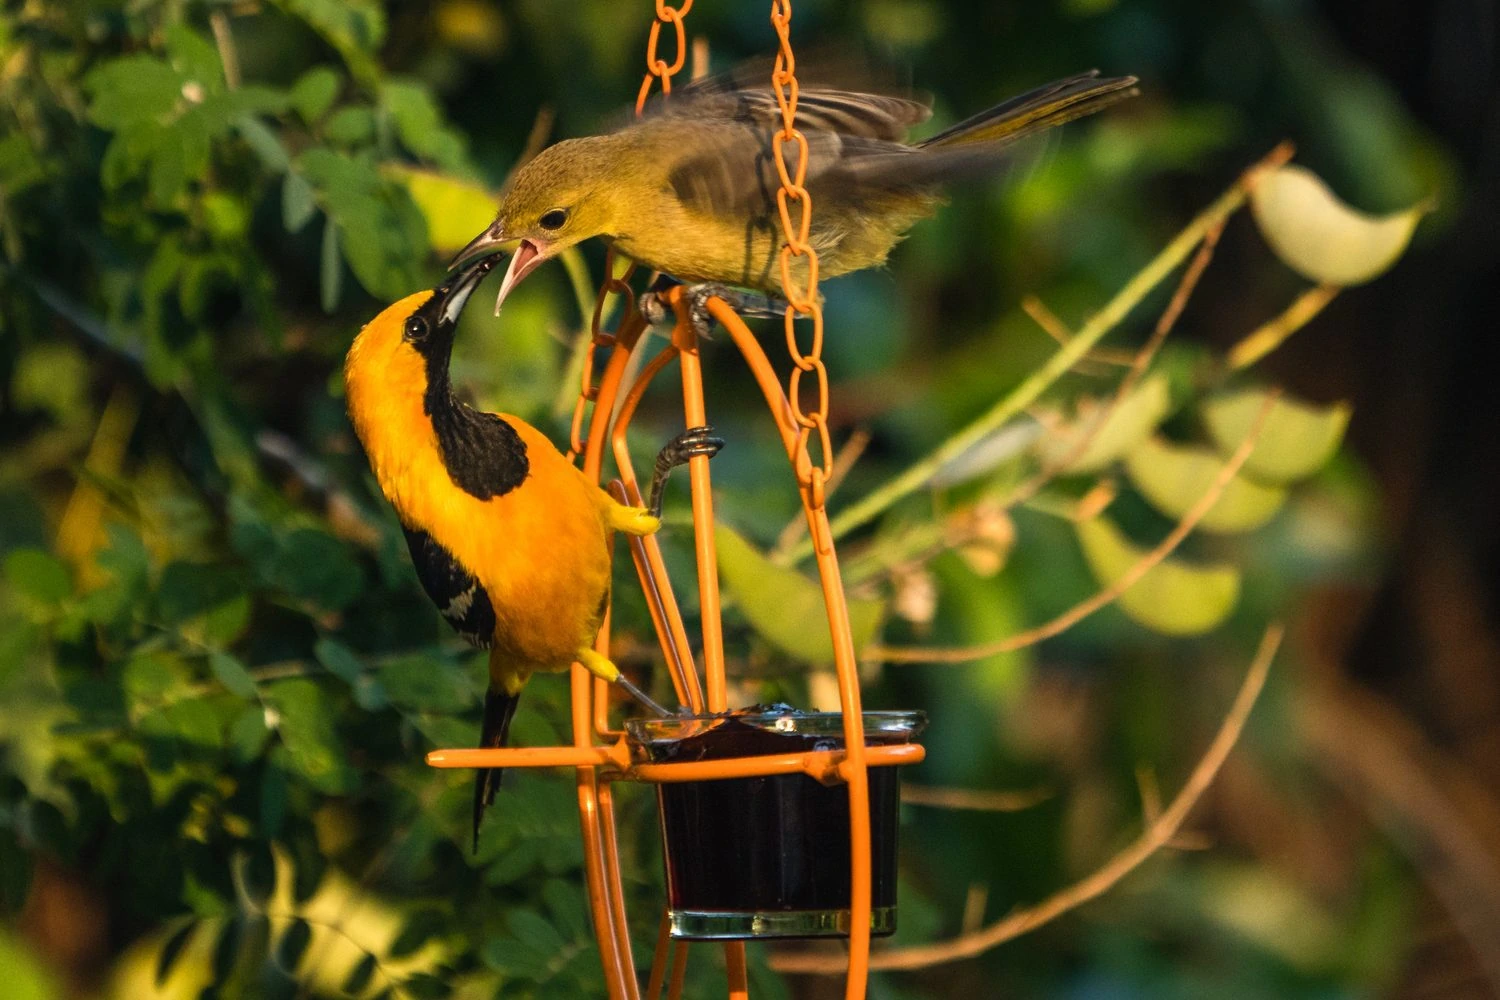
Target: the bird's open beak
pixel 463 285
pixel 527 256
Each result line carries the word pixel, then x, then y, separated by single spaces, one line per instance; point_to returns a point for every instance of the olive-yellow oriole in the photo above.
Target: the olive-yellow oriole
pixel 508 538
pixel 690 189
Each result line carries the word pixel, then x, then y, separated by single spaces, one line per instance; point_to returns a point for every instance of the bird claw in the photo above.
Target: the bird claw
pixel 654 309
pixel 683 448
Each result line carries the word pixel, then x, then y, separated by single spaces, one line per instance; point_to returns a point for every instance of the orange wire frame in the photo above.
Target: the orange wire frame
pixel 599 753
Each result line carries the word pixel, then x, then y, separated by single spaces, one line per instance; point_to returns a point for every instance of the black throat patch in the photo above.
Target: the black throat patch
pixel 483 454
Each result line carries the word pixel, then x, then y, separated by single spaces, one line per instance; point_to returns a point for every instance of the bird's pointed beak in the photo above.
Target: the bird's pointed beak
pixel 485 243
pixel 456 293
pixel 527 256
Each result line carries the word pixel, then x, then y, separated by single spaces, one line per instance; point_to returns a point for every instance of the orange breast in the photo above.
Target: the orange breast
pixel 541 551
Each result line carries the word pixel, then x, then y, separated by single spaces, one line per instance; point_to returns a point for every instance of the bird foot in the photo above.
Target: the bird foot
pixel 655 310
pixel 680 450
pixel 636 521
pixel 604 668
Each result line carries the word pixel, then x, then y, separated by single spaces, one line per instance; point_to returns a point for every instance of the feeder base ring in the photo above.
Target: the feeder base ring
pixel 718 925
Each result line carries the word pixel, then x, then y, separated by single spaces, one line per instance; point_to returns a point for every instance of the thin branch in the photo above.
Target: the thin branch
pixel 228 55
pixel 974 904
pixel 976 800
pixel 1271 336
pixel 1081 610
pixel 1053 326
pixel 1138 365
pixel 842 463
pixel 1153 838
pixel 1018 399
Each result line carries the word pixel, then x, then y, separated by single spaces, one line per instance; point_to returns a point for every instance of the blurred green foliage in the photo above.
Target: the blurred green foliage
pixel 219 675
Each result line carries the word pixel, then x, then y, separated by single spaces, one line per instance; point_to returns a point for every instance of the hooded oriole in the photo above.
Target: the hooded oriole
pixel 690 189
pixel 509 539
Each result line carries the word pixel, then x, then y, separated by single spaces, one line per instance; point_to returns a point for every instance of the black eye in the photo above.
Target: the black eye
pixel 554 219
pixel 416 328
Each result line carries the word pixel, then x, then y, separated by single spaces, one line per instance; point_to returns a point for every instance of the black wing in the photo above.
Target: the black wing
pixel 458 595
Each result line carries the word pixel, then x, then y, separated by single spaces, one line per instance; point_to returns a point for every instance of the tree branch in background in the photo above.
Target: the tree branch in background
pixel 1138 365
pixel 1271 335
pixel 1158 834
pixel 972 799
pixel 1080 611
pixel 1017 400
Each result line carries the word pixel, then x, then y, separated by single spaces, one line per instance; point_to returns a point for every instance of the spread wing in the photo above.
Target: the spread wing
pixel 744 95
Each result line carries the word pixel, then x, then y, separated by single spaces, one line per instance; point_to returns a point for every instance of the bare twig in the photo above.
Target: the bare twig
pixel 1152 839
pixel 1138 365
pixel 228 55
pixel 974 904
pixel 1102 357
pixel 1271 336
pixel 977 800
pixel 1081 610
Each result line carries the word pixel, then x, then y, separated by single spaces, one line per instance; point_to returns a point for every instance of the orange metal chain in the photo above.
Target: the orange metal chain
pixel 658 68
pixel 800 301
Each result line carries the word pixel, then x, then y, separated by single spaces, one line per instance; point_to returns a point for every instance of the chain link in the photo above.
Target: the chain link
pixel 802 301
pixel 658 68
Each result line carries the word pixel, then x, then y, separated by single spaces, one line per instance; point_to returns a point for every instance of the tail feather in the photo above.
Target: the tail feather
pixel 499 709
pixel 1043 108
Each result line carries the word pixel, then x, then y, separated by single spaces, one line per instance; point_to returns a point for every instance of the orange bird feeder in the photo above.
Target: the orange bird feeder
pixel 766 817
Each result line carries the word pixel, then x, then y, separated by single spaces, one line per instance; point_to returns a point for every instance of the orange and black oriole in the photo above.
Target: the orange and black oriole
pixel 508 538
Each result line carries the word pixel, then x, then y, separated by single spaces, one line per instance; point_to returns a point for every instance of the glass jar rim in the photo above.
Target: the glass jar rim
pixel 822 724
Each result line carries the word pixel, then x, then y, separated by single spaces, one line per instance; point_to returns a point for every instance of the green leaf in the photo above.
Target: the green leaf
pixel 248 734
pixel 1173 597
pixel 149 676
pixel 292 944
pixel 26 977
pixel 195 57
pixel 331 268
pixel 298 203
pixel 172 949
pixel 339 660
pixel 382 234
pixel 1320 237
pixel 534 931
pixel 785 607
pixel 359 977
pixel 133 90
pixel 38 575
pixel 1296 440
pixel 355 28
pixel 187 590
pixel 53 377
pixel 426 683
pixel 420 124
pixel 306 726
pixel 313 93
pixel 350 126
pixel 232 674
pixel 1127 425
pixel 1174 478
pixel 265 143
pixel 314 566
pixel 454 209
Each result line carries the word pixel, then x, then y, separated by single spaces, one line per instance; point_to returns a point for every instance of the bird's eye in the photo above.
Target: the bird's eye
pixel 554 219
pixel 416 328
